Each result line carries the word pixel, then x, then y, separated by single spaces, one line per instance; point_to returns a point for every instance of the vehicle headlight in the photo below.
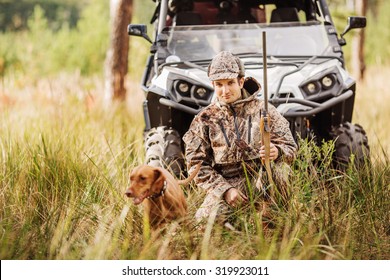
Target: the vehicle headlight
pixel 322 84
pixel 328 81
pixel 191 92
pixel 183 88
pixel 312 88
pixel 200 92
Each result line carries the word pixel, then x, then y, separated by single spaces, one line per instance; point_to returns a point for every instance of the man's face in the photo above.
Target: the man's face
pixel 228 90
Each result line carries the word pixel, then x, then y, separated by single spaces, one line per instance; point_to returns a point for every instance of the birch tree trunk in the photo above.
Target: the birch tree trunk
pixel 116 63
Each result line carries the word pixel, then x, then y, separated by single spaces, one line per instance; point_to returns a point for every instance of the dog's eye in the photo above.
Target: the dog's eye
pixel 142 178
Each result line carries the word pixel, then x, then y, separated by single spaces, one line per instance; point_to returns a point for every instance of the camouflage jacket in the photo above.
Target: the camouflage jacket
pixel 226 136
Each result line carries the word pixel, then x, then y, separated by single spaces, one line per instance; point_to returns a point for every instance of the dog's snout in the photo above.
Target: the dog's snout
pixel 129 193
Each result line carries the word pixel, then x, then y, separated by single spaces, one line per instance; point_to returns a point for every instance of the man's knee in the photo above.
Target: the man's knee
pixel 212 207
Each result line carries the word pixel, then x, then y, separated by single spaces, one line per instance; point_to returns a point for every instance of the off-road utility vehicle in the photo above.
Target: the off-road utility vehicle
pixel 307 80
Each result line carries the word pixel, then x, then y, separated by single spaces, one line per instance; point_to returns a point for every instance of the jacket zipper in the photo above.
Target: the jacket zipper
pixel 249 129
pixel 236 128
pixel 235 123
pixel 224 133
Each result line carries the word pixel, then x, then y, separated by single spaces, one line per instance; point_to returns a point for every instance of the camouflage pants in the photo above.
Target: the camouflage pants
pixel 217 206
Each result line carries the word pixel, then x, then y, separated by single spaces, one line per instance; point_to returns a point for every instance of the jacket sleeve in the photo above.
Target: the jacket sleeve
pixel 281 135
pixel 198 149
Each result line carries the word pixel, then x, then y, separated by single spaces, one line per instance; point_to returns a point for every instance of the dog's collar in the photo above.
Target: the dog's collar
pixel 161 193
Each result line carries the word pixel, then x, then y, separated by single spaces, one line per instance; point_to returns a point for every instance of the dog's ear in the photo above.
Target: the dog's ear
pixel 158 181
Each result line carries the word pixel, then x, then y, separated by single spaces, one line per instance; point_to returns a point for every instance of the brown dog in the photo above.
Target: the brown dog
pixel 160 193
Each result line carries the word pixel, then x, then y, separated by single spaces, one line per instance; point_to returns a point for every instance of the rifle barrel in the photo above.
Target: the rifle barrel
pixel 265 83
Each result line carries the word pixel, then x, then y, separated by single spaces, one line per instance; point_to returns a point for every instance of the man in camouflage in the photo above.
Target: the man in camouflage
pixel 226 138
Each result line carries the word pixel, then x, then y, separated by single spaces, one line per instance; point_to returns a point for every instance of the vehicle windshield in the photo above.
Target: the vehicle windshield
pixel 190 43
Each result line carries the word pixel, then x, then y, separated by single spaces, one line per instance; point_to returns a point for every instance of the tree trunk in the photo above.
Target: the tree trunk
pixel 116 63
pixel 358 61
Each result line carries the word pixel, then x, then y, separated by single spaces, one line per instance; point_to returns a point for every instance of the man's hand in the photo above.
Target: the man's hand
pixel 273 152
pixel 234 197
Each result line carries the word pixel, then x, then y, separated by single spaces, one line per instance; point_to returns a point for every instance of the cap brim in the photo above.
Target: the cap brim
pixel 223 76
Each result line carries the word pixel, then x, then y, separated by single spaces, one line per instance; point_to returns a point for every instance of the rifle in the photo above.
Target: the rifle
pixel 264 120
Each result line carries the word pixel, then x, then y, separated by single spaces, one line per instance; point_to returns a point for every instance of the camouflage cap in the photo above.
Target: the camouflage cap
pixel 225 66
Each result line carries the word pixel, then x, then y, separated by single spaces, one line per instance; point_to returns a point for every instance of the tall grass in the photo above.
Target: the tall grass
pixel 64 168
pixel 372 110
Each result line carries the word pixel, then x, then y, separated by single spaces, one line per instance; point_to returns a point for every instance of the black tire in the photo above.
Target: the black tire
pixel 350 139
pixel 163 149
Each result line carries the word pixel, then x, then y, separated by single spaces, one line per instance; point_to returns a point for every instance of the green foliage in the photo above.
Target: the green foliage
pixel 139 47
pixel 378 36
pixel 377 33
pixel 90 39
pixel 14 15
pixel 44 50
pixel 41 51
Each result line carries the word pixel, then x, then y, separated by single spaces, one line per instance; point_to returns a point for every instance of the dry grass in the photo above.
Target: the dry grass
pixel 24 93
pixel 372 109
pixel 65 163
